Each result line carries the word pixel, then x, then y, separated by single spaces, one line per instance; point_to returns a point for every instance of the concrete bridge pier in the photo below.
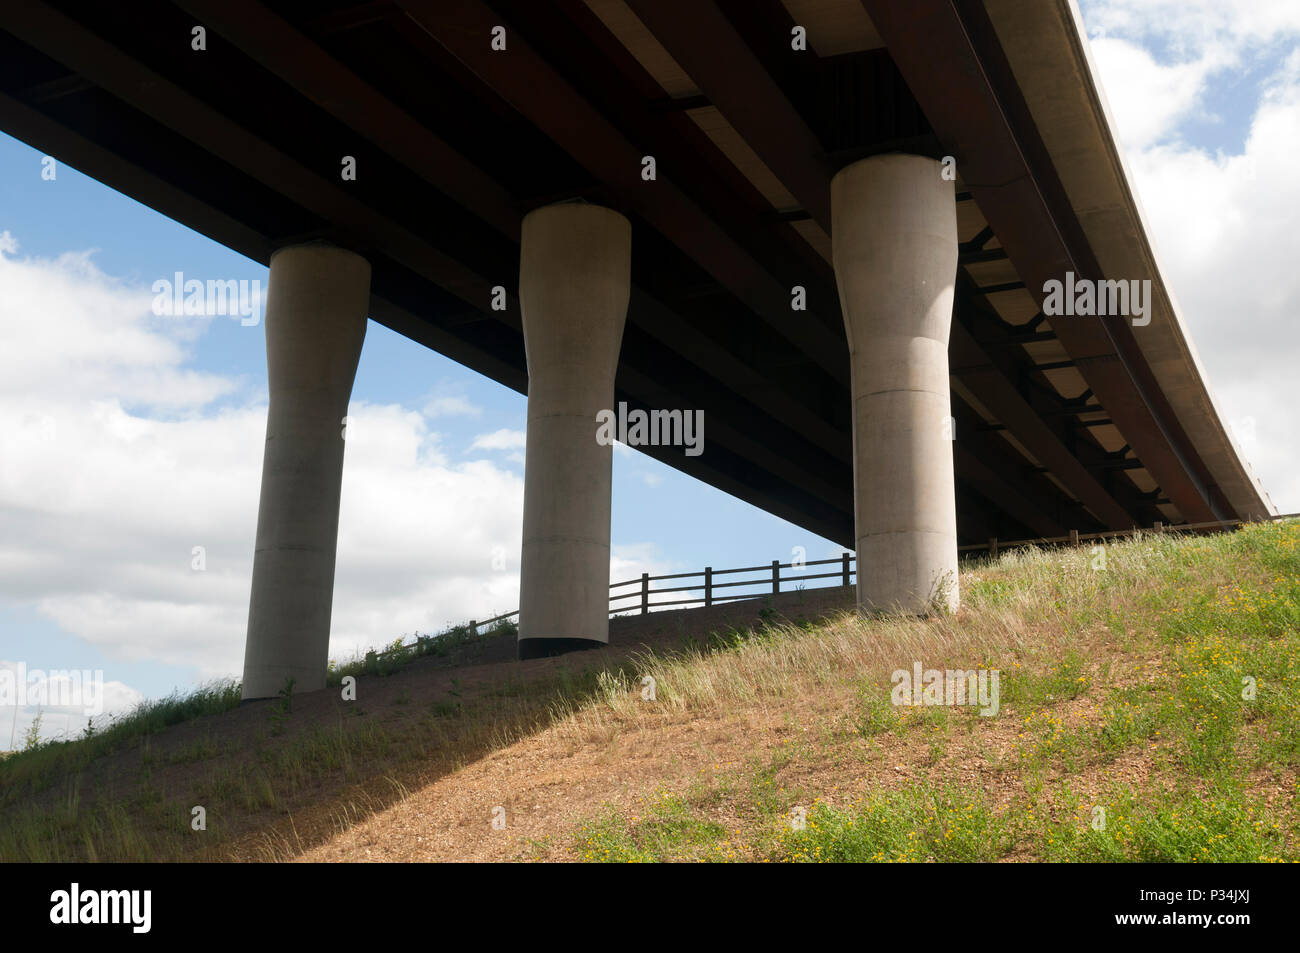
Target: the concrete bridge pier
pixel 316 306
pixel 894 245
pixel 574 281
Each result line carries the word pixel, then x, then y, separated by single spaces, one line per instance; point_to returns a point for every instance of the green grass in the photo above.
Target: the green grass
pixel 1167 685
pixel 921 824
pixel 671 829
pixel 1178 827
pixel 399 654
pixel 26 772
pixel 1181 660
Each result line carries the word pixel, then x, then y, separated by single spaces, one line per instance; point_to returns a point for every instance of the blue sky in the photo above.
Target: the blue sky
pixel 157 445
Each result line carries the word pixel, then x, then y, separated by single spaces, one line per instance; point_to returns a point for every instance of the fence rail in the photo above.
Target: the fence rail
pixel 845 573
pixel 769 582
pixel 993 546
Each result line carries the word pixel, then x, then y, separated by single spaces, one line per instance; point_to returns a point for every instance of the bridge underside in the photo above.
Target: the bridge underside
pixel 1059 425
pixel 455 141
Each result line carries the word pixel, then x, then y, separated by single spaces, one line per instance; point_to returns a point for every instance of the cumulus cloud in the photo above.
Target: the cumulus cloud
pixel 1224 28
pixel 1172 93
pixel 1160 59
pixel 451 405
pixel 58 703
pixel 499 440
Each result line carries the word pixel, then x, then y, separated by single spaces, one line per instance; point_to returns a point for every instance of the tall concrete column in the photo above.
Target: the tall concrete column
pixel 316 306
pixel 574 279
pixel 894 243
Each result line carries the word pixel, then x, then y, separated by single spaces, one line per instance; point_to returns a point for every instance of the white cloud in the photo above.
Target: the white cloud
pixel 115 463
pixel 499 440
pixel 1191 26
pixel 72 334
pixel 64 701
pixel 451 406
pixel 1160 58
pixel 1171 93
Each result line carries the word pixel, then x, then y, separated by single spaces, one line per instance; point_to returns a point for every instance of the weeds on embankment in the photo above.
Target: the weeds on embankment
pixel 1149 710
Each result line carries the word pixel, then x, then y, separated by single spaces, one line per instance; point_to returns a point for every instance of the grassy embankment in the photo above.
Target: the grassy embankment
pixel 1149 710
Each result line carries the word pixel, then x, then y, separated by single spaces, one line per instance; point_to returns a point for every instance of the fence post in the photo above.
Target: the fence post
pixel 844 568
pixel 1074 537
pixel 708 585
pixel 993 546
pixel 776 576
pixel 1160 527
pixel 645 593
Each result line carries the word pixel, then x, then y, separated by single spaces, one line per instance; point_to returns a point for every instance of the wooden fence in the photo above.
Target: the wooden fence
pixel 768 583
